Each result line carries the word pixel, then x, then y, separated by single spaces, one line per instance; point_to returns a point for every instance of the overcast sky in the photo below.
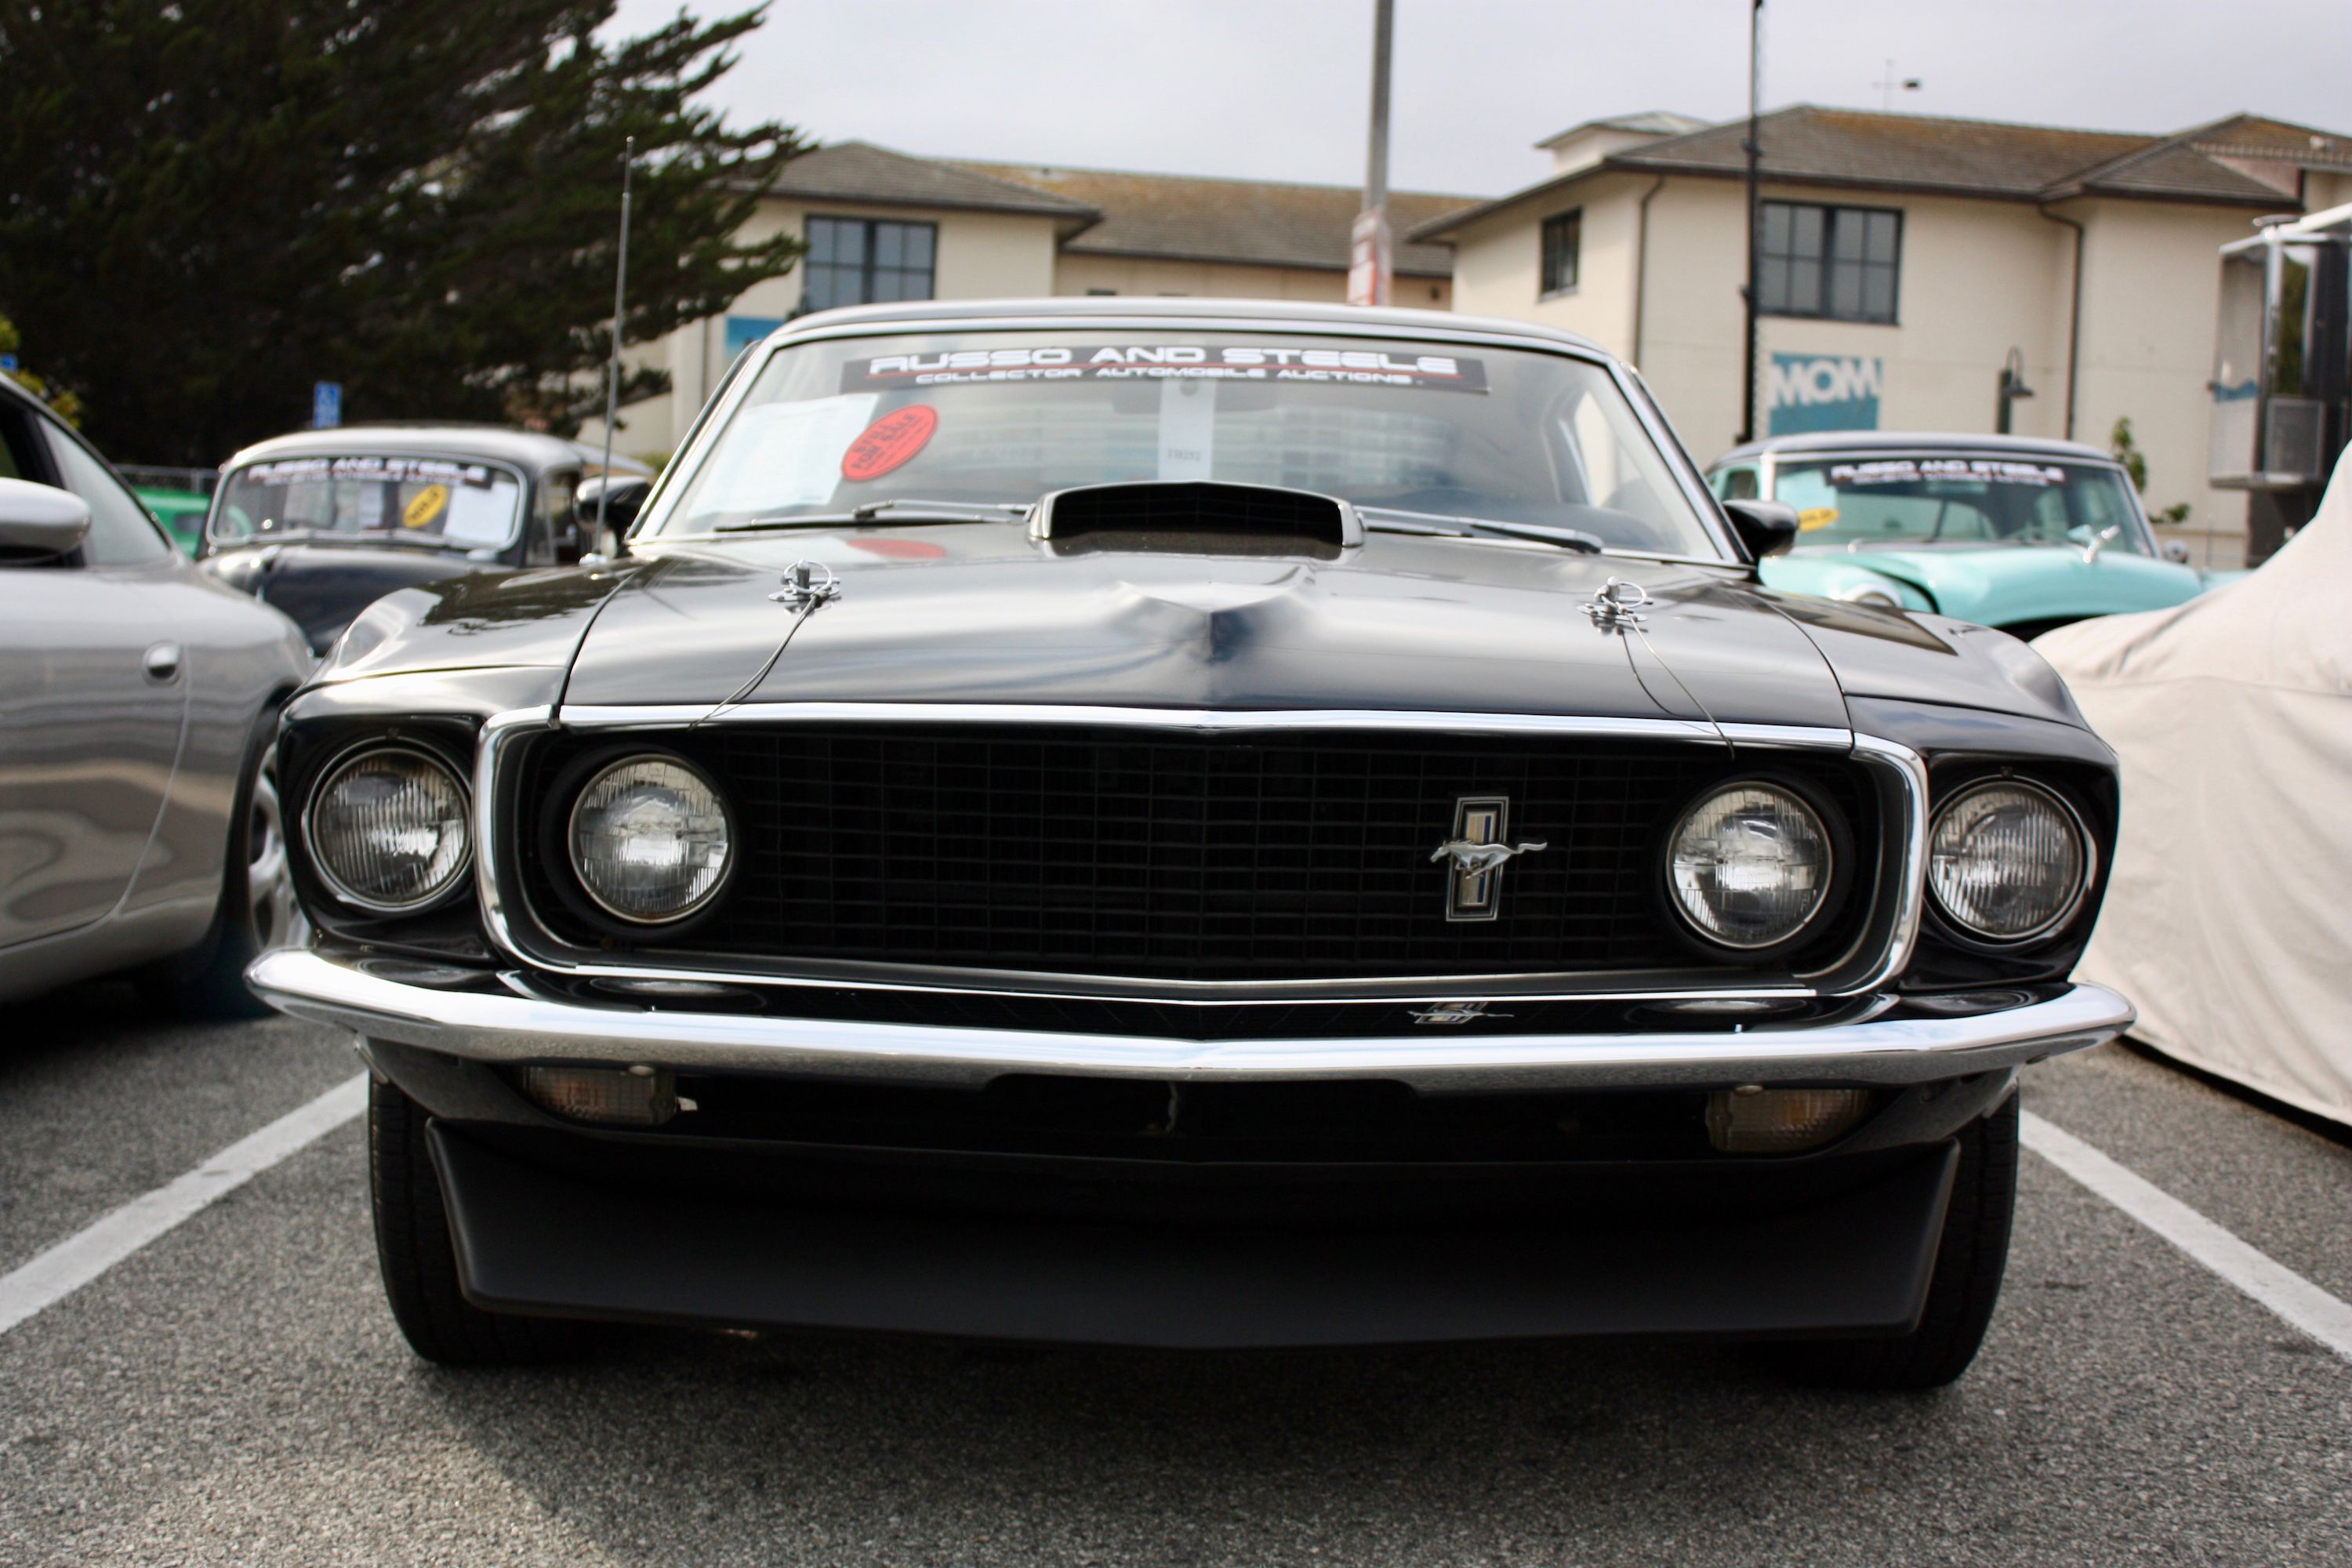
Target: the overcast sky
pixel 1278 88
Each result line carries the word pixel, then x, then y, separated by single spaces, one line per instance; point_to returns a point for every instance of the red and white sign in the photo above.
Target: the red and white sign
pixel 890 442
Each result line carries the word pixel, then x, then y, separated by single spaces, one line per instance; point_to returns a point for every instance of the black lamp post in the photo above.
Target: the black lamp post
pixel 2012 387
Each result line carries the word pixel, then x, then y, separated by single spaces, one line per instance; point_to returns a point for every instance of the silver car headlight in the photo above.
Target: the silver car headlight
pixel 1749 864
pixel 2008 861
pixel 387 829
pixel 650 840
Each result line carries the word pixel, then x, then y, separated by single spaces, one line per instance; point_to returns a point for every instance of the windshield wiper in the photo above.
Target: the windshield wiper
pixel 916 510
pixel 353 536
pixel 986 510
pixel 1394 519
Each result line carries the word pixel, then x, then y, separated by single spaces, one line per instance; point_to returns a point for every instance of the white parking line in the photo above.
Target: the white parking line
pixel 87 1254
pixel 2281 1290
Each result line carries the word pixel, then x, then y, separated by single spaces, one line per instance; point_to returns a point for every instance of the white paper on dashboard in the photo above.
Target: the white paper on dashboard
pixel 478 515
pixel 785 453
pixel 1187 427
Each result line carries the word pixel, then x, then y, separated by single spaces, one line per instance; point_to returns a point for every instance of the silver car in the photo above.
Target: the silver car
pixel 140 827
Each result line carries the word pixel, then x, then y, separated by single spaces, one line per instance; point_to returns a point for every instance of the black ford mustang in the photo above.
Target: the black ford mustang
pixel 1195 824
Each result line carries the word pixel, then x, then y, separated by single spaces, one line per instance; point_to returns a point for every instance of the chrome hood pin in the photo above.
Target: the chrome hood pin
pixel 807 584
pixel 1617 605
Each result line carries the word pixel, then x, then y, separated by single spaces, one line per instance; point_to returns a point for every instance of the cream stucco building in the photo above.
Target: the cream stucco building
pixel 1905 259
pixel 882 225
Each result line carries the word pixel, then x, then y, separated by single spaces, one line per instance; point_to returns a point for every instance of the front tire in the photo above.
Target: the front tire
pixel 1971 1257
pixel 420 1264
pixel 257 908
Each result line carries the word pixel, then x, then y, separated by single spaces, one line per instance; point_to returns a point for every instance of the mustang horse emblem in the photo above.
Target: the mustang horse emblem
pixel 1479 850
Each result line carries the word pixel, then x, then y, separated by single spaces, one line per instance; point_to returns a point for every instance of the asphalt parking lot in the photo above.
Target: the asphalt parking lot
pixel 235 1392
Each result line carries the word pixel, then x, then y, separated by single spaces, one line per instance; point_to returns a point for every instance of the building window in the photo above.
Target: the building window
pixel 1563 238
pixel 868 261
pixel 742 332
pixel 1835 262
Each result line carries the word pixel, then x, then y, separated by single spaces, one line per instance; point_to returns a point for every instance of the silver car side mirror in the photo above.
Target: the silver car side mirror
pixel 2176 552
pixel 39 521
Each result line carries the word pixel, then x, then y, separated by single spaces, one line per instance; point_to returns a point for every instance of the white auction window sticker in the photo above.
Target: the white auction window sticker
pixel 1912 471
pixel 785 453
pixel 1273 362
pixel 431 471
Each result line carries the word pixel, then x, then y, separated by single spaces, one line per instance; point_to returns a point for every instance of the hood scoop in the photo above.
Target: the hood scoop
pixel 1197 517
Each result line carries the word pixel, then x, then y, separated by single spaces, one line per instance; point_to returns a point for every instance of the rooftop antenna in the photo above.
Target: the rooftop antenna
pixel 620 293
pixel 1887 86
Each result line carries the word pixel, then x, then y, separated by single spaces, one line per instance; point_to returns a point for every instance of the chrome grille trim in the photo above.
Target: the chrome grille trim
pixel 519 934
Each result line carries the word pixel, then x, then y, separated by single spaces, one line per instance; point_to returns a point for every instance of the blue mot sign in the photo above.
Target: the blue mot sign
pixel 1821 392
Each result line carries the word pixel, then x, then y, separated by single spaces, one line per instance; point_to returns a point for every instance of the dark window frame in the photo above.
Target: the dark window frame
pixel 1828 264
pixel 867 267
pixel 1560 238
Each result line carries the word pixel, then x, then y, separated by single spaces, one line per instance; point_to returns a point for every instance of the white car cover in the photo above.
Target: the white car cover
pixel 2229 916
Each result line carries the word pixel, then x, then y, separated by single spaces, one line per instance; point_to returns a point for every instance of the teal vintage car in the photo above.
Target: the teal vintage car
pixel 2006 532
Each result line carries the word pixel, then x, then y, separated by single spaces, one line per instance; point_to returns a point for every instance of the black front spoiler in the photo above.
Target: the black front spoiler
pixel 1853 1258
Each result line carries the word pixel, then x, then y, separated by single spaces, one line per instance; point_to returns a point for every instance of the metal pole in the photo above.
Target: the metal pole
pixel 1371 263
pixel 1755 150
pixel 1375 163
pixel 620 294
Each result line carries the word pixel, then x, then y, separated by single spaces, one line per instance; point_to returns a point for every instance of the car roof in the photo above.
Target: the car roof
pixel 1251 314
pixel 1881 443
pixel 528 450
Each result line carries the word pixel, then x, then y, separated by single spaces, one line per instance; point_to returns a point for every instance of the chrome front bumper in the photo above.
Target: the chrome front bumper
pixel 521 1026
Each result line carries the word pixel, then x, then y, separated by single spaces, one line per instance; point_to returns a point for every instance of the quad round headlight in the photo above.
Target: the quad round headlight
pixel 387 829
pixel 2008 861
pixel 1749 865
pixel 649 840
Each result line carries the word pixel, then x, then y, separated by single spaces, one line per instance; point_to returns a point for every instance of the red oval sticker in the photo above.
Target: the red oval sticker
pixel 890 442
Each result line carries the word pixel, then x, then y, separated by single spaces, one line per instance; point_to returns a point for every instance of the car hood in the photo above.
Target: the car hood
pixel 981 612
pixel 323 586
pixel 2006 584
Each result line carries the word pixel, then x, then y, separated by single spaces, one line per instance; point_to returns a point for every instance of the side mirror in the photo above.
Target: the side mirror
pixel 607 504
pixel 2176 552
pixel 1765 527
pixel 40 521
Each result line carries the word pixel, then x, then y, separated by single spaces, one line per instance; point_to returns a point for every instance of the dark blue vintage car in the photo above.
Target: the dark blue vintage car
pixel 324 523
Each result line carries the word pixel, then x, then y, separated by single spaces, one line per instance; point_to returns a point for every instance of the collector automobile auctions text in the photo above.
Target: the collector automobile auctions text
pixel 1131 362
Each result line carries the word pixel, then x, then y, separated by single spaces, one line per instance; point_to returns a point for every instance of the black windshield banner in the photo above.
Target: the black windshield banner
pixel 438 471
pixel 1912 470
pixel 1255 361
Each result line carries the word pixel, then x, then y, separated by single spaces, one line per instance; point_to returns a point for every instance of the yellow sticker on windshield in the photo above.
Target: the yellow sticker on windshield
pixel 429 503
pixel 1814 517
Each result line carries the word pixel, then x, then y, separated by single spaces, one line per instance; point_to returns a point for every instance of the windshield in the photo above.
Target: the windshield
pixel 1001 418
pixel 436 499
pixel 1932 499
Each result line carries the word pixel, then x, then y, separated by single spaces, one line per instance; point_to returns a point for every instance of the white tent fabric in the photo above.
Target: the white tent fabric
pixel 2228 915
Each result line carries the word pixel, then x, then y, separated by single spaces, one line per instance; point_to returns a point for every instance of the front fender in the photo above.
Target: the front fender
pixel 1837 577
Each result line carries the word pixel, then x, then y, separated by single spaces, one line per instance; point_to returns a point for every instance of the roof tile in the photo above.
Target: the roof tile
pixel 859 171
pixel 1249 222
pixel 1806 144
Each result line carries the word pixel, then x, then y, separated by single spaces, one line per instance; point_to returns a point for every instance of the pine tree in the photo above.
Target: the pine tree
pixel 207 206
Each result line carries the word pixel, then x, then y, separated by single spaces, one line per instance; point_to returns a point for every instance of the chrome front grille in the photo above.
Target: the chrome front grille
pixel 1170 854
